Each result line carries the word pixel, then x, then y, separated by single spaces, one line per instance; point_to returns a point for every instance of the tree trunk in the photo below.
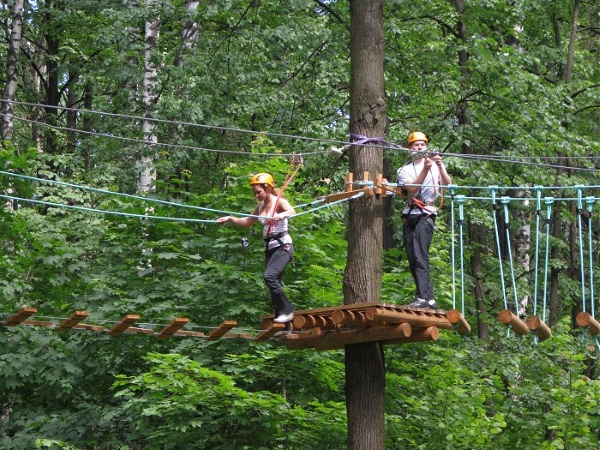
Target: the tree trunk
pixel 88 102
pixel 365 371
pixel 72 114
pixel 573 37
pixel 190 32
pixel 477 232
pixel 53 78
pixel 147 177
pixel 463 60
pixel 522 247
pixel 479 242
pixel 12 69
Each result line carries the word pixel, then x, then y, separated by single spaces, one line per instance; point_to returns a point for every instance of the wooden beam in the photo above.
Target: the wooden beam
pixel 19 317
pixel 89 327
pixel 379 189
pixel 417 318
pixel 538 326
pixel 455 317
pixel 418 335
pixel 238 336
pixel 189 333
pixel 73 320
pixel 507 317
pixel 340 338
pixel 269 332
pixel 349 318
pixel 585 319
pixel 343 195
pixel 304 321
pixel 38 323
pixel 170 329
pixel 139 330
pixel 222 329
pixel 122 325
pixel 348 182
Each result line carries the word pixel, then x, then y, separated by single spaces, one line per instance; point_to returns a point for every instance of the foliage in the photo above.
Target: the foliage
pixel 180 404
pixel 511 395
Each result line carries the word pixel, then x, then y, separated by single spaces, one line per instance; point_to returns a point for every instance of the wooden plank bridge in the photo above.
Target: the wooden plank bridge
pixel 321 329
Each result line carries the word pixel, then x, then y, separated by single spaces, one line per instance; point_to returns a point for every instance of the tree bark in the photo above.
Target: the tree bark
pixel 190 32
pixel 572 39
pixel 479 242
pixel 12 69
pixel 365 371
pixel 147 177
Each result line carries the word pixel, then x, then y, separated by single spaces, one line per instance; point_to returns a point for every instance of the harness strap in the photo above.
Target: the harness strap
pixel 275 237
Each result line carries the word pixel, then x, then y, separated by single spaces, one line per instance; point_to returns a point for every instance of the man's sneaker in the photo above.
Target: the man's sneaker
pixel 282 333
pixel 283 318
pixel 423 303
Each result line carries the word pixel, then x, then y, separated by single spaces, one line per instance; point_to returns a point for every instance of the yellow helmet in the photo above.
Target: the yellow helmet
pixel 262 178
pixel 417 136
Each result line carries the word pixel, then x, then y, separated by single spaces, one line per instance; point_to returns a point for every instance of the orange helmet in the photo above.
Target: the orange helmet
pixel 262 178
pixel 417 136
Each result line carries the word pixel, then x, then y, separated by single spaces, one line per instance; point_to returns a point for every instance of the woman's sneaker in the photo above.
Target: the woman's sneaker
pixel 423 303
pixel 283 318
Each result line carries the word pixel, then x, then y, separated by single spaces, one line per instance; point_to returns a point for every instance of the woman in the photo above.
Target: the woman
pixel 273 211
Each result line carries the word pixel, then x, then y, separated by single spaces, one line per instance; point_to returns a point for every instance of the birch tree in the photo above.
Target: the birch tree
pixel 12 68
pixel 147 177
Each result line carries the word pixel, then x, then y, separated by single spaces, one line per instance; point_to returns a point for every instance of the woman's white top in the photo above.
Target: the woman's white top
pixel 274 228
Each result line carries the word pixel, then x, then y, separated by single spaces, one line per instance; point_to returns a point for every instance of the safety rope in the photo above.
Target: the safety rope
pixel 452 247
pixel 104 211
pixel 538 212
pixel 580 241
pixel 548 201
pixel 288 179
pixel 505 201
pixel 461 219
pixel 590 204
pixel 493 190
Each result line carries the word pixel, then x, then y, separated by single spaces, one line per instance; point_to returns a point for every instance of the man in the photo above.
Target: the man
pixel 421 179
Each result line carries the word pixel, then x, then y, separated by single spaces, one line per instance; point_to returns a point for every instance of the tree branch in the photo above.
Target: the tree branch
pixel 581 91
pixel 333 13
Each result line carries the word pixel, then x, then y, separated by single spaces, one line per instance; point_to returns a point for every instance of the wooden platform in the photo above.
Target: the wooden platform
pixel 338 326
pixel 321 329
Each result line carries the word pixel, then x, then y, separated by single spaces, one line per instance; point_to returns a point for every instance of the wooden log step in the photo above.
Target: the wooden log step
pixel 585 319
pixel 222 329
pixel 455 317
pixel 175 325
pixel 73 320
pixel 538 326
pixel 269 332
pixel 125 322
pixel 507 317
pixel 20 317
